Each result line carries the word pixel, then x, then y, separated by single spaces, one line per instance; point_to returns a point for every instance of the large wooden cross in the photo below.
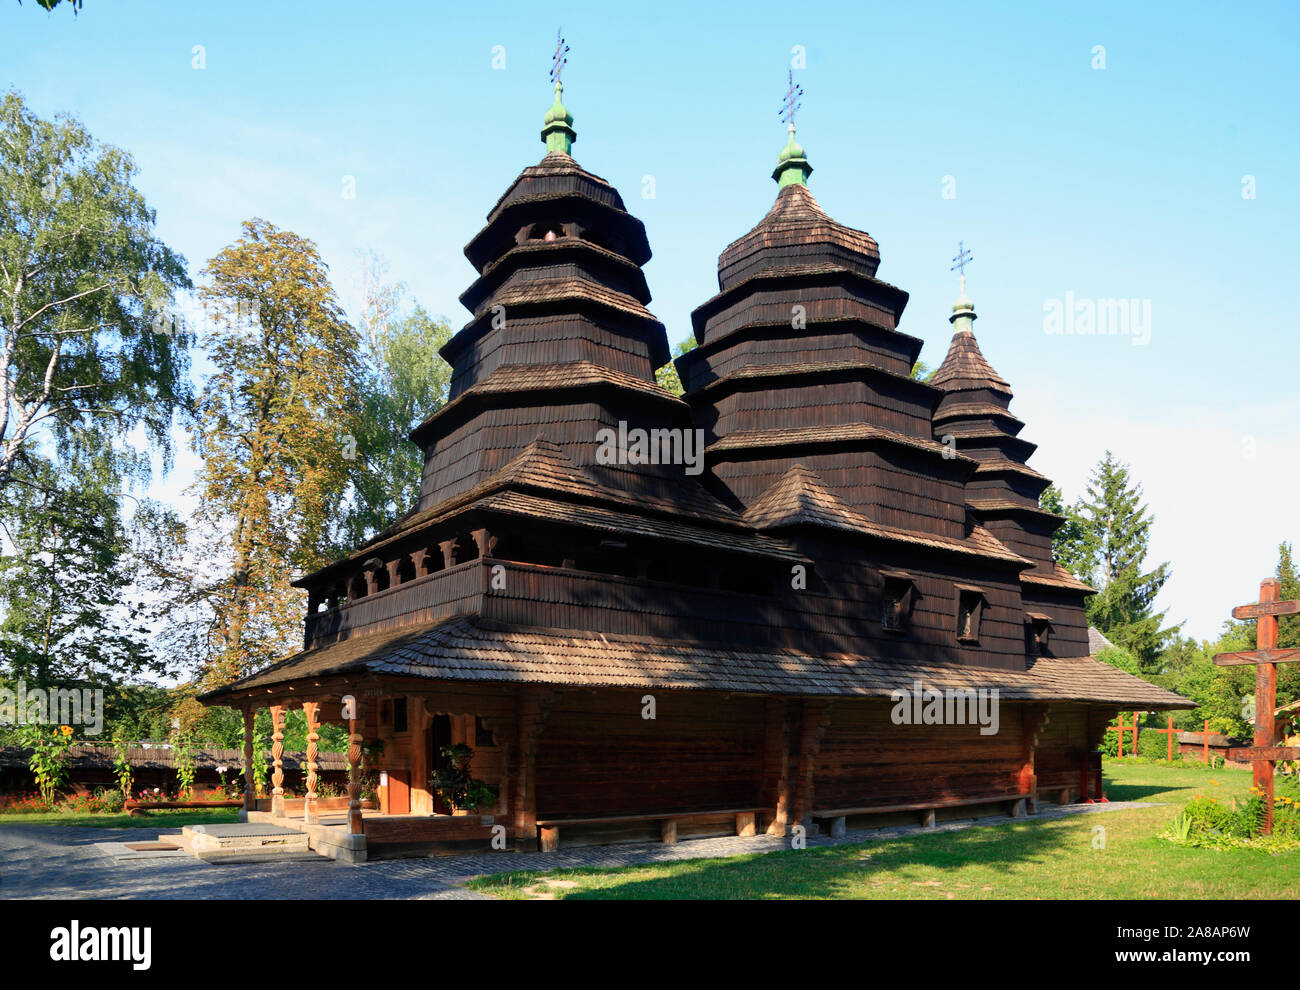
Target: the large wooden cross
pixel 1266 656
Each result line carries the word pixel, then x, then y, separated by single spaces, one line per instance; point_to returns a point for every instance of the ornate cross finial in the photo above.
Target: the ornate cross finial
pixel 790 105
pixel 559 59
pixel 960 261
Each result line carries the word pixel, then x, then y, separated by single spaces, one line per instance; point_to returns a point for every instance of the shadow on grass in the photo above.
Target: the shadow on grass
pixel 828 872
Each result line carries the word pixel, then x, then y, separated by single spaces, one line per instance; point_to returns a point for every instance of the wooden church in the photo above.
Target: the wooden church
pixel 814 592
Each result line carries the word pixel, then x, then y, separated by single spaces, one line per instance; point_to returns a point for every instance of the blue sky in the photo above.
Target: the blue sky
pixel 1122 182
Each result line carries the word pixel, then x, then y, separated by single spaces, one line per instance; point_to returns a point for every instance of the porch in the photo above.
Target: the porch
pixel 386 836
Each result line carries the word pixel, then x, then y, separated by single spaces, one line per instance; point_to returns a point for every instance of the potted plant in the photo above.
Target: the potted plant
pixel 455 785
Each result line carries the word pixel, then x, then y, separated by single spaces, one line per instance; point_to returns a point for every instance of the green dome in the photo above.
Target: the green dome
pixel 792 150
pixel 557 128
pixel 791 164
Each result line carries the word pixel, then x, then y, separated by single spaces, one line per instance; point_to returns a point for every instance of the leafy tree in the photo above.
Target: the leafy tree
pixel 1110 550
pixel 274 422
pixel 667 376
pixel 1288 626
pixel 404 380
pixel 1118 656
pixel 81 273
pixel 66 590
pixel 51 4
pixel 922 372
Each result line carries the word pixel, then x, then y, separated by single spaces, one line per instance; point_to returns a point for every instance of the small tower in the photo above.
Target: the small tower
pixel 1003 491
pixel 557 128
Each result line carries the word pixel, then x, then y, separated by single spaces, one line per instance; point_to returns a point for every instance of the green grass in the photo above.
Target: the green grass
pixel 1030 859
pixel 170 818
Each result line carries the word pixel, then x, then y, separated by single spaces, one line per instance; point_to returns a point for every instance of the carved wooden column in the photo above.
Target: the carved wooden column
pixel 448 548
pixel 277 758
pixel 311 710
pixel 484 541
pixel 421 560
pixel 250 786
pixel 356 725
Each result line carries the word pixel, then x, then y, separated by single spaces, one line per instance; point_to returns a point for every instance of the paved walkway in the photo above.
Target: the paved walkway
pixel 55 861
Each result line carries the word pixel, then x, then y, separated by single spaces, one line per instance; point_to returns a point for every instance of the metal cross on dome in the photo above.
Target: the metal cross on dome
pixel 961 259
pixel 558 60
pixel 790 105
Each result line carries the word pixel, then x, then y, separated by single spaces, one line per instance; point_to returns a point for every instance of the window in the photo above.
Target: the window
pixel 399 714
pixel 970 609
pixel 546 232
pixel 482 734
pixel 897 601
pixel 1040 631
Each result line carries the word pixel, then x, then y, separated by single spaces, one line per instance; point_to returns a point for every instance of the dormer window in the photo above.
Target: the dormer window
pixel 1040 631
pixel 897 599
pixel 970 610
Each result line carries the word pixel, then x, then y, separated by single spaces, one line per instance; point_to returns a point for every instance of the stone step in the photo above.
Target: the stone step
pixel 263 854
pixel 244 836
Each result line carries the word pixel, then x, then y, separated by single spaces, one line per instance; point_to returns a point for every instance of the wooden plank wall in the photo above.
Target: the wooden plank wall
pixel 597 755
pixel 866 759
pixel 1072 729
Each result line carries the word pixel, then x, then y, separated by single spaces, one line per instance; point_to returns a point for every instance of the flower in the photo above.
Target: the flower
pixel 66 730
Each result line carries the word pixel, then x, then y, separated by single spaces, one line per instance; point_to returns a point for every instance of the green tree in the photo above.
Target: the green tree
pixel 81 278
pixel 667 376
pixel 1288 626
pixel 274 425
pixel 67 596
pixel 404 380
pixel 1116 531
pixel 1070 545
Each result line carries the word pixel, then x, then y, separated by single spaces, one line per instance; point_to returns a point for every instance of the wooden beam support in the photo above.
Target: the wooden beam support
pixel 448 548
pixel 277 758
pixel 815 718
pixel 550 838
pixel 356 728
pixel 532 705
pixel 311 710
pixel 774 787
pixel 668 830
pixel 250 784
pixel 746 823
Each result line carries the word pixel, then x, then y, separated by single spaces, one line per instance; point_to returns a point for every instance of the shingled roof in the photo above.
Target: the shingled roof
pixel 965 367
pixel 796 221
pixel 458 649
pixel 800 497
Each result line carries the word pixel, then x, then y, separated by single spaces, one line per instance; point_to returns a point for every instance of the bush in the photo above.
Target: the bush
pixel 1154 746
pixel 1207 823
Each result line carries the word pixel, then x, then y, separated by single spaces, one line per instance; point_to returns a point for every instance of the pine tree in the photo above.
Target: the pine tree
pixel 1070 543
pixel 1116 537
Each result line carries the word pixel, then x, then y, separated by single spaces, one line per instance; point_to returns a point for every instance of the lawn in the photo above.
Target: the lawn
pixel 168 818
pixel 1028 859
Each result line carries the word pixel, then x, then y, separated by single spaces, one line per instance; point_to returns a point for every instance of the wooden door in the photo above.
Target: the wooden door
pixel 399 792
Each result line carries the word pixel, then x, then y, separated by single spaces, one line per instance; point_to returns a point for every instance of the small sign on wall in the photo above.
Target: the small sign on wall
pixel 383 778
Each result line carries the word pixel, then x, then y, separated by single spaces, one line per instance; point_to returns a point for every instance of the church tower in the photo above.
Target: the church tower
pixel 1003 491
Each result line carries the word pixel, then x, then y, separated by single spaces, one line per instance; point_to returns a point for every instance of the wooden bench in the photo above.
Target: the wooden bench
pixel 549 828
pixel 1018 806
